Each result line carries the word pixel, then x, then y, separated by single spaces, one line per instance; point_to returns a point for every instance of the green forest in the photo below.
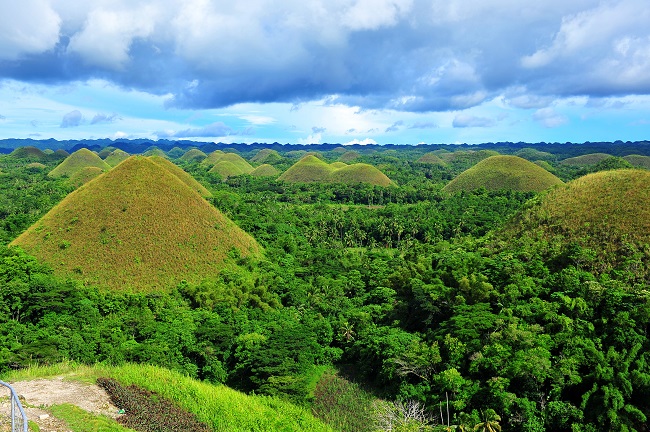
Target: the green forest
pixel 411 306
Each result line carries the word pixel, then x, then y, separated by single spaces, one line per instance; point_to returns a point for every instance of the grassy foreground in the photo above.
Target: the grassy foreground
pixel 221 407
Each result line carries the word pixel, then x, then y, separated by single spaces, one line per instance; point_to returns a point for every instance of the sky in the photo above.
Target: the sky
pixel 326 71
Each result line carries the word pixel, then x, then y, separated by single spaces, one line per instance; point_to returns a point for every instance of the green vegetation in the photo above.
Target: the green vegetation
pixel 193 155
pixel 78 420
pixel 266 156
pixel 373 307
pixel 588 159
pixel 431 158
pixel 77 161
pixel 638 161
pixel 265 170
pixel 115 157
pixel 503 172
pixel 148 235
pixel 533 155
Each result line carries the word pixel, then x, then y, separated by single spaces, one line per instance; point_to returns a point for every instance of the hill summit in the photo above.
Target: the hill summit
pixel 503 172
pixel 137 227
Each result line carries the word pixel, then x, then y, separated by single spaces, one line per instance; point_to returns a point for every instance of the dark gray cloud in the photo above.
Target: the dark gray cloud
pixel 71 119
pixel 404 55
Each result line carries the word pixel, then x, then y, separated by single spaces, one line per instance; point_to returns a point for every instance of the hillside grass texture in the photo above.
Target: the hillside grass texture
pixel 638 161
pixel 84 175
pixel 265 170
pixel 218 406
pixel 311 169
pixel 586 160
pixel 182 174
pixel 241 165
pixel 138 227
pixel 431 159
pixel 193 155
pixel 77 161
pixel 503 172
pixel 266 156
pixel 116 156
pixel 28 152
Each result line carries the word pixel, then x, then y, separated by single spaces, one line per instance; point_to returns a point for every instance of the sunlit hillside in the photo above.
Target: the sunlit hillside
pixel 137 227
pixel 77 161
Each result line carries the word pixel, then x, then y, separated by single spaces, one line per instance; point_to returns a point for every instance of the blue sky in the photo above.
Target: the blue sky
pixel 316 71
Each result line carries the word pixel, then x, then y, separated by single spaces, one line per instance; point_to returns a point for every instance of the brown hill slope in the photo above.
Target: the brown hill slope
pixel 137 227
pixel 181 174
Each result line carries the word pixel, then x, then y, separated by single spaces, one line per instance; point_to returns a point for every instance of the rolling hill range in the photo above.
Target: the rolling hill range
pixel 137 227
pixel 311 169
pixel 503 172
pixel 77 161
pixel 606 213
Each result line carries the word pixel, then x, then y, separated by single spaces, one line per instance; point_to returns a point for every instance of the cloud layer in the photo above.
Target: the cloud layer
pixel 404 55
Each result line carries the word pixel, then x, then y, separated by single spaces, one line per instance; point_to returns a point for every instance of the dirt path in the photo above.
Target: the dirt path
pixel 37 395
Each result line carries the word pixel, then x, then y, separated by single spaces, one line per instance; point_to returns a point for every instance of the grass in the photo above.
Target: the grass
pixel 349 156
pixel 84 175
pixel 181 174
pixel 431 158
pixel 503 172
pixel 28 152
pixel 638 161
pixel 311 169
pixel 585 160
pixel 79 420
pixel 137 227
pixel 77 161
pixel 116 156
pixel 265 170
pixel 606 212
pixel 266 156
pixel 532 154
pixel 221 407
pixel 234 160
pixel 193 155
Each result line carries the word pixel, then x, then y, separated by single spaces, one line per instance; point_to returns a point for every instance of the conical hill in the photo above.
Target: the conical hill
pixel 360 173
pixel 309 169
pixel 77 161
pixel 137 227
pixel 181 174
pixel 116 156
pixel 503 172
pixel 606 213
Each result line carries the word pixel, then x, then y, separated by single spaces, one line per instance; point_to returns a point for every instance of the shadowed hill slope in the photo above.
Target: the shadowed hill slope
pixel 503 172
pixel 638 161
pixel 77 161
pixel 137 227
pixel 605 213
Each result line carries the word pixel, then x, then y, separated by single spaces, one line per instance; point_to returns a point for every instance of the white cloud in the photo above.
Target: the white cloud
pixel 549 118
pixel 28 27
pixel 367 141
pixel 372 14
pixel 71 119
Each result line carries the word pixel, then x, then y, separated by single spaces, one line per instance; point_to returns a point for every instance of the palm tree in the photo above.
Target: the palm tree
pixel 490 422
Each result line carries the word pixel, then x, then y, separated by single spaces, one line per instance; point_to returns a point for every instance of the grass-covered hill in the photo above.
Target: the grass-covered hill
pixel 233 159
pixel 266 156
pixel 265 170
pixel 175 153
pixel 349 156
pixel 431 158
pixel 145 389
pixel 29 152
pixel 225 169
pixel 587 159
pixel 137 227
pixel 503 172
pixel 181 174
pixel 309 169
pixel 638 161
pixel 116 156
pixel 77 161
pixel 359 173
pixel 533 155
pixel 84 175
pixel 338 164
pixel 600 221
pixel 193 155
